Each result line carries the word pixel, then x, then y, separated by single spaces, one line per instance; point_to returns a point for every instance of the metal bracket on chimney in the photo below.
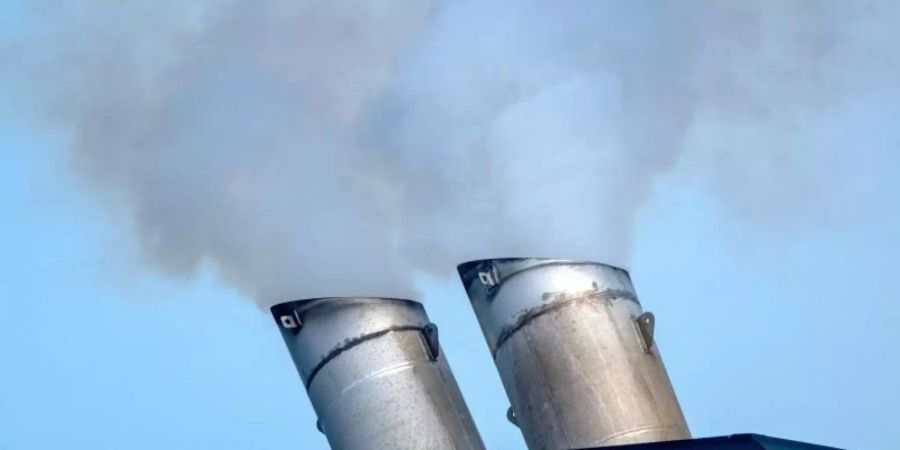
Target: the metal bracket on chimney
pixel 430 332
pixel 645 324
pixel 292 321
pixel 511 417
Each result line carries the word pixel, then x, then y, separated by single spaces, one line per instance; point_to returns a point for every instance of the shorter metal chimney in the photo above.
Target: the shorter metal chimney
pixel 375 374
pixel 575 352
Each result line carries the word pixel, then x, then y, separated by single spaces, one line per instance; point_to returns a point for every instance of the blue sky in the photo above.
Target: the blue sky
pixel 789 330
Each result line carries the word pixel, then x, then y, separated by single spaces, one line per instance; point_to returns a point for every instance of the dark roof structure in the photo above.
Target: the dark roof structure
pixel 733 442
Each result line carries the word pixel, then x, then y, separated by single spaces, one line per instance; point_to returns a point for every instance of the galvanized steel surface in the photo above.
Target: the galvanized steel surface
pixel 375 374
pixel 574 351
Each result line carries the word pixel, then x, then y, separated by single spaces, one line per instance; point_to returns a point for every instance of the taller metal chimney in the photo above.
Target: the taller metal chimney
pixel 575 352
pixel 375 373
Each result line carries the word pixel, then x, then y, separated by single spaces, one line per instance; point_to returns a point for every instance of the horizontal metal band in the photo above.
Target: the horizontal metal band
pixel 570 299
pixel 350 343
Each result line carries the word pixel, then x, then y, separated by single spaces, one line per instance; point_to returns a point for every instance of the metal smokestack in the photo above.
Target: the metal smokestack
pixel 375 374
pixel 575 353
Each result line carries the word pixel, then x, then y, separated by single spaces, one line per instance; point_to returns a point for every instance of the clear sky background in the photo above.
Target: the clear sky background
pixel 790 332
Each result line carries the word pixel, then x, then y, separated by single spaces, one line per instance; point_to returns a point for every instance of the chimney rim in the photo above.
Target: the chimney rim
pixel 306 304
pixel 467 265
pixel 465 269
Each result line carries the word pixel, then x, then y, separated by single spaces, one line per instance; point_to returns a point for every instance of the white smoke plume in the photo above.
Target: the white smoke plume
pixel 311 148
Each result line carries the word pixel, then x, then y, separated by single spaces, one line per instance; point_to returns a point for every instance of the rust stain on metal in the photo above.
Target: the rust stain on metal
pixel 556 301
pixel 350 343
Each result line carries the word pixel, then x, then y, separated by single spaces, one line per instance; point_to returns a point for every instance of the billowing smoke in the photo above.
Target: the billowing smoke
pixel 336 148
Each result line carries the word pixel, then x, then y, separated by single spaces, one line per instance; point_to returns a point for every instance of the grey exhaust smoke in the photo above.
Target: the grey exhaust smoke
pixel 375 374
pixel 575 352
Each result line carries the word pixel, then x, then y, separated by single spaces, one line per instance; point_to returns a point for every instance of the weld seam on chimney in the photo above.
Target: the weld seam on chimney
pixel 350 343
pixel 636 431
pixel 533 313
